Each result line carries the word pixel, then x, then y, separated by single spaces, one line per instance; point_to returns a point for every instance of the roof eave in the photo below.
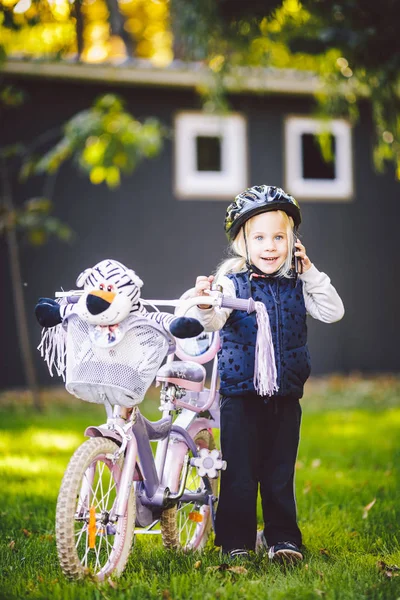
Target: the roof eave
pixel 178 74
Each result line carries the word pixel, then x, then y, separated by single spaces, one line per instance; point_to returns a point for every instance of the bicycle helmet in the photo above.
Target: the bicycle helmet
pixel 256 200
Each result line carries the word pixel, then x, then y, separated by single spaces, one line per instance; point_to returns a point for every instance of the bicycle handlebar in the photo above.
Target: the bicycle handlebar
pixel 72 296
pixel 214 299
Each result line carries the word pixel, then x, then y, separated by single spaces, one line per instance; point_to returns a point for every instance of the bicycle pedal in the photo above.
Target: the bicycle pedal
pixel 208 463
pixel 107 530
pixel 110 529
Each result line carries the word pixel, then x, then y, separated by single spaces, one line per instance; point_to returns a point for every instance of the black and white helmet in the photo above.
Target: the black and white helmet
pixel 256 200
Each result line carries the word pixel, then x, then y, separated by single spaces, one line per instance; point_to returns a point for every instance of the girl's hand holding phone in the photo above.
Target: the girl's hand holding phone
pixel 301 254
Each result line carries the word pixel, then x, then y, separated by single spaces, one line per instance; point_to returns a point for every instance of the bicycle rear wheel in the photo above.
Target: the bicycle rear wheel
pixel 188 525
pixel 87 540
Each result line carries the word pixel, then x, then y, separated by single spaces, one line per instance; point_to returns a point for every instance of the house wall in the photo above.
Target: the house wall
pixel 169 241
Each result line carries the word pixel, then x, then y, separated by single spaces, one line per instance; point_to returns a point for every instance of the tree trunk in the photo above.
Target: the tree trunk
pixel 79 26
pixel 117 21
pixel 19 303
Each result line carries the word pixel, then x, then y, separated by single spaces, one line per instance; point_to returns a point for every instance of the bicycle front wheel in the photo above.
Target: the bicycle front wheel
pixel 188 525
pixel 87 540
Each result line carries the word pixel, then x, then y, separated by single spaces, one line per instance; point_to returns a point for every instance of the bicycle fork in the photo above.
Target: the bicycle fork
pixel 126 480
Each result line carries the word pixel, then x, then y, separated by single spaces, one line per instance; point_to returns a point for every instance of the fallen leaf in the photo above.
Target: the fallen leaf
pixel 320 592
pixel 166 595
pixel 316 463
pixel 368 508
pixel 324 552
pixel 217 568
pixel 226 567
pixel 388 571
pixel 12 544
pixel 26 533
pixel 197 564
pixel 239 570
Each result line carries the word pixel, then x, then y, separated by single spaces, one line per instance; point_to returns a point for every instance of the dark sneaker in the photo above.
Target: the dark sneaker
pixel 285 552
pixel 238 553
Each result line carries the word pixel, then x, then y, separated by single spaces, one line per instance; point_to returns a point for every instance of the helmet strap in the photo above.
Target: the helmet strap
pixel 245 245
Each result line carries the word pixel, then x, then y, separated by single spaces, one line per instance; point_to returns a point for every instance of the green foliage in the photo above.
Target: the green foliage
pixel 38 224
pixel 351 542
pixel 35 221
pixel 11 96
pixel 352 46
pixel 104 141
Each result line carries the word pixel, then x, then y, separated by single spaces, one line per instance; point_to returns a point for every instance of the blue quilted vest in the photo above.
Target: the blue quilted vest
pixel 287 314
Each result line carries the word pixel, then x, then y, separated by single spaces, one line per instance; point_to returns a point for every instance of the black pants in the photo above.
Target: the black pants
pixel 259 441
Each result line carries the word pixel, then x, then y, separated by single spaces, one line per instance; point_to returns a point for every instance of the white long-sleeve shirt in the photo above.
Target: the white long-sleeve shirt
pixel 321 300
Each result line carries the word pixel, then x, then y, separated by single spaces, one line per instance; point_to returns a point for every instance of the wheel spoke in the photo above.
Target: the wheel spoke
pixel 98 550
pixel 93 495
pixel 184 525
pixel 110 489
pixel 100 481
pixel 80 533
pixel 87 549
pixel 108 544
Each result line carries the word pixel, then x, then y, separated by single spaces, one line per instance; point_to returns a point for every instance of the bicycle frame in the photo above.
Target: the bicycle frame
pixel 98 511
pixel 149 471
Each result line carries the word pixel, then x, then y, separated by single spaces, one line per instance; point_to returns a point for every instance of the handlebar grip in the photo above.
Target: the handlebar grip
pixel 238 304
pixel 71 296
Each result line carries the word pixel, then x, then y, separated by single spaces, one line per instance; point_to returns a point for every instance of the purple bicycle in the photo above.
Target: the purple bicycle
pixel 114 486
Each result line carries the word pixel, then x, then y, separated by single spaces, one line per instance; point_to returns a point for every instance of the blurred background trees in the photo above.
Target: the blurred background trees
pixel 91 30
pixel 352 46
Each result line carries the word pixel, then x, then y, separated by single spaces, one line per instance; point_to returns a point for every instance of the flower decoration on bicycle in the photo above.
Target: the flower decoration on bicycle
pixel 103 341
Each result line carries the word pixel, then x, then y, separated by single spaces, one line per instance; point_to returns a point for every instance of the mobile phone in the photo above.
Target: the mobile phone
pixel 298 266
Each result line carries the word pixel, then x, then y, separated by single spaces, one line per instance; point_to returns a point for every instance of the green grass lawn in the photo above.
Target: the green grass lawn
pixel 349 458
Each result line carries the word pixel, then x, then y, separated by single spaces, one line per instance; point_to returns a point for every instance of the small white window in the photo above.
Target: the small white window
pixel 308 175
pixel 210 155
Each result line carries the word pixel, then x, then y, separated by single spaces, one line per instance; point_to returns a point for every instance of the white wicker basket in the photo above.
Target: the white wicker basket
pixel 120 373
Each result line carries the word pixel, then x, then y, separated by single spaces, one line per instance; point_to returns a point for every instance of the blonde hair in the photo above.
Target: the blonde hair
pixel 237 261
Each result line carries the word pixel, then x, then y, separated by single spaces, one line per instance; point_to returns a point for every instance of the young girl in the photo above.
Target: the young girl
pixel 260 434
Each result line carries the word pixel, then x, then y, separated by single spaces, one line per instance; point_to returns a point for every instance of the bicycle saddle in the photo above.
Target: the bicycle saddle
pixel 187 374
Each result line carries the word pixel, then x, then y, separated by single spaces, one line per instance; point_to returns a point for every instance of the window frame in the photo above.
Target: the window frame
pixel 189 183
pixel 341 188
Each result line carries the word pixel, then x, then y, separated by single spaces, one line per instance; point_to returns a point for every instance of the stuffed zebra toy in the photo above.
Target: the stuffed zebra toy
pixel 110 298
